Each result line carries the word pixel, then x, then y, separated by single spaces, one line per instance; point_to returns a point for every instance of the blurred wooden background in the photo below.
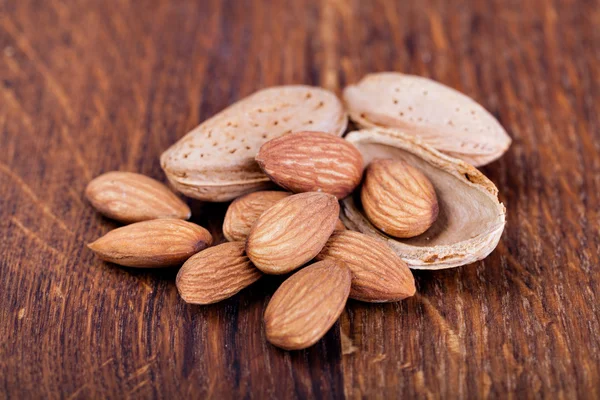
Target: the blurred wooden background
pixel 88 86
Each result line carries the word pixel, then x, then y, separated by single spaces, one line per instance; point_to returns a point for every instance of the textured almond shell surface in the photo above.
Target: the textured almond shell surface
pixel 307 305
pixel 154 243
pixel 292 232
pixel 470 220
pixel 216 274
pixel 215 161
pixel 398 198
pixel 378 274
pixel 440 116
pixel 130 197
pixel 243 212
pixel 312 162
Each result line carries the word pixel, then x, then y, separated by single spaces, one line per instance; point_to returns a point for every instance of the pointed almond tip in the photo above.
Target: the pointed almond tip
pixel 412 290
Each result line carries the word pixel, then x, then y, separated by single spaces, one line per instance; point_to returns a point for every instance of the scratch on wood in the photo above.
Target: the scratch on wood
pixel 21 314
pixel 26 47
pixel 12 101
pixel 452 340
pixel 29 192
pixel 139 386
pixel 513 261
pixel 147 287
pixel 378 358
pixel 327 29
pixel 55 87
pixel 419 380
pixel 76 153
pixel 31 235
pixel 347 345
pixel 437 30
pixel 76 195
pixel 107 361
pixel 77 391
pixel 211 389
pixel 142 369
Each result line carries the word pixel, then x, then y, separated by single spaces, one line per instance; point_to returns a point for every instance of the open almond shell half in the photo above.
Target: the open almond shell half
pixel 470 221
pixel 440 116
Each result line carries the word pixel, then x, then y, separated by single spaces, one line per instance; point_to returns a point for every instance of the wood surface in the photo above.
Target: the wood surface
pixel 89 86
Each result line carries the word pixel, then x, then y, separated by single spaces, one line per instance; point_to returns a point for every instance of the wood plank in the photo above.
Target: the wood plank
pixel 88 87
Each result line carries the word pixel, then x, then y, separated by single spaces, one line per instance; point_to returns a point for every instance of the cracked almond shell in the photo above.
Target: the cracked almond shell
pixel 215 161
pixel 440 116
pixel 470 220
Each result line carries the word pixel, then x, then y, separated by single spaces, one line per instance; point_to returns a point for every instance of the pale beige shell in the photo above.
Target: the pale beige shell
pixel 442 117
pixel 470 220
pixel 215 161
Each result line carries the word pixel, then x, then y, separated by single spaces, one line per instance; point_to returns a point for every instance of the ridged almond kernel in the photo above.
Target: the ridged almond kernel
pixel 378 274
pixel 154 243
pixel 398 198
pixel 216 274
pixel 307 304
pixel 312 162
pixel 130 197
pixel 292 232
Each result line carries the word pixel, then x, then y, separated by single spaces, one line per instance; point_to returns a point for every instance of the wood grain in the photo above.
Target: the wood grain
pixel 92 86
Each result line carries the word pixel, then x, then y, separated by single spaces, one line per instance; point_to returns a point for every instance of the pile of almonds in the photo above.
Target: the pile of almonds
pixel 279 156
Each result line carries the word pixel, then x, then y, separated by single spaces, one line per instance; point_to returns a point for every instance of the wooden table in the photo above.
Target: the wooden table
pixel 92 86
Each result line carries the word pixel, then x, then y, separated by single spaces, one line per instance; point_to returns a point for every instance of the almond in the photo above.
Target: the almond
pixel 378 274
pixel 339 226
pixel 438 115
pixel 154 243
pixel 215 161
pixel 307 305
pixel 130 197
pixel 312 162
pixel 471 218
pixel 245 210
pixel 292 232
pixel 398 198
pixel 216 274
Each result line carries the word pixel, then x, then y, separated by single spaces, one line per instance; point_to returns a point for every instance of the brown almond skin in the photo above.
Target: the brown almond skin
pixel 398 198
pixel 129 197
pixel 312 162
pixel 339 226
pixel 244 211
pixel 216 274
pixel 151 244
pixel 292 232
pixel 307 304
pixel 378 274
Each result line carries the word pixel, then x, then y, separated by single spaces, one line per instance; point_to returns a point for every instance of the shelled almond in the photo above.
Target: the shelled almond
pixel 292 232
pixel 154 243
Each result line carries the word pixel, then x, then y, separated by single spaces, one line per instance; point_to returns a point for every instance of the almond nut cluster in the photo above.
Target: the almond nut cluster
pixel 340 217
